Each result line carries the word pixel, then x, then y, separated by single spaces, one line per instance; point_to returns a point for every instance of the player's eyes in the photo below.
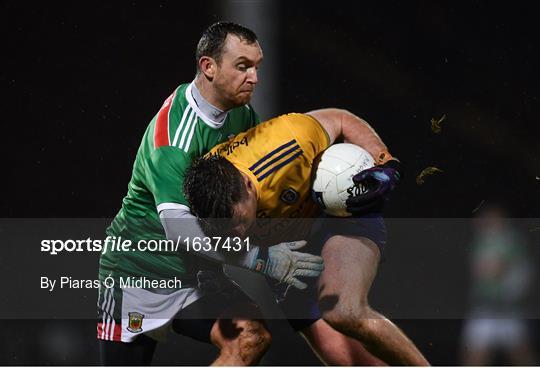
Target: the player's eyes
pixel 242 67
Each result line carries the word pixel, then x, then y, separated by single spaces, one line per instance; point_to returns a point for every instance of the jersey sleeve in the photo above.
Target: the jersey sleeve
pixel 309 134
pixel 165 174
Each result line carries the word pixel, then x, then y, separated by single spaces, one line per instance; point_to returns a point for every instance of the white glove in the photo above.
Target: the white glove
pixel 283 264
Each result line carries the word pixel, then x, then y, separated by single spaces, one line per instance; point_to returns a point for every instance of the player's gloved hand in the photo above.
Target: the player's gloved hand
pixel 283 263
pixel 378 181
pixel 215 282
pixel 209 281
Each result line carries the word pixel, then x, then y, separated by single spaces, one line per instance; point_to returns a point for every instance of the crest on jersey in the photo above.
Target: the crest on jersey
pixel 135 322
pixel 289 196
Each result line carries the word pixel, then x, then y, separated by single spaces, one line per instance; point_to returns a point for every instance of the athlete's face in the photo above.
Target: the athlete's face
pixel 236 75
pixel 245 212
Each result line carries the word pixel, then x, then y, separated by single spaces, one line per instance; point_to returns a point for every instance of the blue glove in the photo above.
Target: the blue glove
pixel 378 181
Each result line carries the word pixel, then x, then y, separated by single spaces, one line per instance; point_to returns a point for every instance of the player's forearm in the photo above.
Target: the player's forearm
pixel 357 131
pixel 179 223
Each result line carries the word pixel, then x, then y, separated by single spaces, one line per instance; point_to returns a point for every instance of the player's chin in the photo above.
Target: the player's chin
pixel 243 98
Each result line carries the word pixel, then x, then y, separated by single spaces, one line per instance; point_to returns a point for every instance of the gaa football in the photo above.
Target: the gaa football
pixel 332 180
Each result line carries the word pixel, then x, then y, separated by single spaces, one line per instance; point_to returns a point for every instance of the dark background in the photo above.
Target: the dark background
pixel 81 80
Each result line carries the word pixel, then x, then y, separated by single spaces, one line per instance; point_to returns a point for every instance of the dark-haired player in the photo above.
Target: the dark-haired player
pixel 241 182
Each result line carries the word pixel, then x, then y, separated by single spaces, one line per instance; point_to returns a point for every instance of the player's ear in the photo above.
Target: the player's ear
pixel 208 66
pixel 249 184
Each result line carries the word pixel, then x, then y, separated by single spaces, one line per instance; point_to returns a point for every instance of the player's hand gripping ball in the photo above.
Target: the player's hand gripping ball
pixel 378 182
pixel 347 182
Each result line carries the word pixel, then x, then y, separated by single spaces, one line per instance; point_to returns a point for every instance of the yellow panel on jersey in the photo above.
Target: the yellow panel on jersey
pixel 278 156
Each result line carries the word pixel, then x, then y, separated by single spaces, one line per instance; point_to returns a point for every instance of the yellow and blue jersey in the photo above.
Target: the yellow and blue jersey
pixel 278 155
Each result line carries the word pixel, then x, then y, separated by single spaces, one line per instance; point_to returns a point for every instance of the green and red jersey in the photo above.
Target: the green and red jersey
pixel 179 133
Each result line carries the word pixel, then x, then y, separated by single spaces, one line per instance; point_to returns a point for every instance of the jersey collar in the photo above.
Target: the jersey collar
pixel 209 114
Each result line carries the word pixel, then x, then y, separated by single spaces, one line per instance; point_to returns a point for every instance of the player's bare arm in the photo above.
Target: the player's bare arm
pixel 342 123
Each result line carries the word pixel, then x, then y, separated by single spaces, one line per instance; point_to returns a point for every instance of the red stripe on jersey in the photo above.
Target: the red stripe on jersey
pixel 161 130
pixel 100 327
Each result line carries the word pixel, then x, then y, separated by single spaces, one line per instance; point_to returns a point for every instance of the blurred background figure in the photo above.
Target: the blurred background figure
pixel 501 276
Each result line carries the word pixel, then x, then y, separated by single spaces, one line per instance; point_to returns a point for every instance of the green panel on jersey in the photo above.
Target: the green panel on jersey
pixel 174 137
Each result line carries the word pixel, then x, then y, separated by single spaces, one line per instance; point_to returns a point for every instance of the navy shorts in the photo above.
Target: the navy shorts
pixel 301 306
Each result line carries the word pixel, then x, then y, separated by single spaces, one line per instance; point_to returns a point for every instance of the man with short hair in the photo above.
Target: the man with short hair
pixel 236 184
pixel 193 119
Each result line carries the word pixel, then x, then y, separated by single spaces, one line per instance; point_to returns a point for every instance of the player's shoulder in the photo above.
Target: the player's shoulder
pixel 175 112
pixel 303 119
pixel 305 128
pixel 180 100
pixel 293 118
pixel 298 116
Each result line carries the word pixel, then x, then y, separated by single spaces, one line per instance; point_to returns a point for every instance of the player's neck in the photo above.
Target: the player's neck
pixel 215 114
pixel 204 95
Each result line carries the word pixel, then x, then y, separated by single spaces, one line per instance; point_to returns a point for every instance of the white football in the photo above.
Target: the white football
pixel 332 180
